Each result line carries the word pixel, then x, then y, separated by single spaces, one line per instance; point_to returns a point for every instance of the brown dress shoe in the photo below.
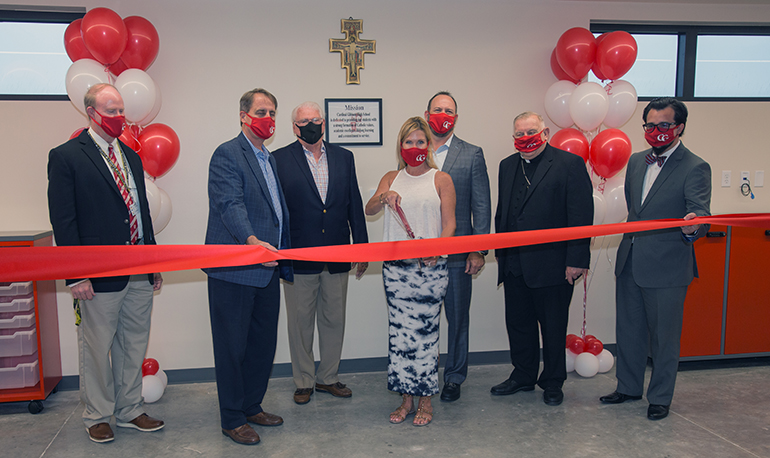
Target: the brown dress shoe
pixel 144 423
pixel 243 434
pixel 302 395
pixel 265 419
pixel 100 432
pixel 338 389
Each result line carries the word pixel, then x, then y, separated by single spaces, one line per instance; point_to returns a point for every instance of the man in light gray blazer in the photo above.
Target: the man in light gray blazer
pixel 465 164
pixel 654 268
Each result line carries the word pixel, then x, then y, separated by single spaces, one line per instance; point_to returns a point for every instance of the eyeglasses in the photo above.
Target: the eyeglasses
pixel 304 122
pixel 662 127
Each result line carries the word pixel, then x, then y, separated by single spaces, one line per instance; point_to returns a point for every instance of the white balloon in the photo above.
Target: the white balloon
pixel 586 364
pixel 615 202
pixel 570 360
pixel 152 388
pixel 163 377
pixel 622 105
pixel 606 361
pixel 81 75
pixel 153 197
pixel 557 99
pixel 155 108
pixel 138 92
pixel 164 216
pixel 600 207
pixel 588 105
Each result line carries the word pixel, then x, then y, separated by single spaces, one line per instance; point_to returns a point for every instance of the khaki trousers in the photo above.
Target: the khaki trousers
pixel 316 299
pixel 112 342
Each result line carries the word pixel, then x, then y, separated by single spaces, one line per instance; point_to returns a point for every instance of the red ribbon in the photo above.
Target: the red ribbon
pixel 50 263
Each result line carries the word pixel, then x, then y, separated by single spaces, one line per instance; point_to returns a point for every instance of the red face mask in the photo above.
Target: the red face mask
pixel 414 156
pixel 529 143
pixel 441 123
pixel 111 125
pixel 263 128
pixel 656 138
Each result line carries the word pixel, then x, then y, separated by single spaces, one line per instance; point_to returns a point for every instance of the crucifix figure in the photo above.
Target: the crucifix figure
pixel 352 49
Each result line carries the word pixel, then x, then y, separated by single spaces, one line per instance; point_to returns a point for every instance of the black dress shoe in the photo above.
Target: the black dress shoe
pixel 618 398
pixel 451 392
pixel 510 386
pixel 553 396
pixel 657 412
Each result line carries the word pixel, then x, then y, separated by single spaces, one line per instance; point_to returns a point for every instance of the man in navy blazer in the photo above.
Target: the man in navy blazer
pixel 246 206
pixel 654 268
pixel 540 187
pixel 96 196
pixel 465 164
pixel 321 189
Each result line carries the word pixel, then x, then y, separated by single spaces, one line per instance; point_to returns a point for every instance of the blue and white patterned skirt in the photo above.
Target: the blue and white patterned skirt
pixel 414 294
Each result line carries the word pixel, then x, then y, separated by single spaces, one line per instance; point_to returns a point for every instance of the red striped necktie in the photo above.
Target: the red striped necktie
pixel 127 198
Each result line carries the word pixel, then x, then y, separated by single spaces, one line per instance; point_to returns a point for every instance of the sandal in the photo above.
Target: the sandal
pixel 423 416
pixel 400 414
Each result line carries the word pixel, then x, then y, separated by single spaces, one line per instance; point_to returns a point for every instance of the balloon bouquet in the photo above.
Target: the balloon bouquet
pixel 107 49
pixel 587 105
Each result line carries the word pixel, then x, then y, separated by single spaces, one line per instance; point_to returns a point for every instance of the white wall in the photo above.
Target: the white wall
pixel 492 54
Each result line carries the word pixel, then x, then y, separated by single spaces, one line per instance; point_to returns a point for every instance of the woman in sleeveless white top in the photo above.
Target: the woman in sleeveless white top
pixel 414 288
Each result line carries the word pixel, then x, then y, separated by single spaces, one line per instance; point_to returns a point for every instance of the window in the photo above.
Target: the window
pixel 33 62
pixel 698 61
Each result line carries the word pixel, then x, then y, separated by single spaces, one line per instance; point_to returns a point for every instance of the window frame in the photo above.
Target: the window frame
pixel 687 33
pixel 43 15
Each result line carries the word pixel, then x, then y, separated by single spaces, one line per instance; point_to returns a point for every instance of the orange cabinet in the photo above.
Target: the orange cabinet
pixel 30 359
pixel 727 310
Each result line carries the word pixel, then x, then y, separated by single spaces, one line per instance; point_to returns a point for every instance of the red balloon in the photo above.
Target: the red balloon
pixel 589 338
pixel 77 132
pixel 143 43
pixel 595 67
pixel 577 346
pixel 571 140
pixel 570 338
pixel 104 34
pixel 594 347
pixel 159 149
pixel 559 72
pixel 616 54
pixel 609 152
pixel 118 67
pixel 73 42
pixel 150 366
pixel 130 137
pixel 576 51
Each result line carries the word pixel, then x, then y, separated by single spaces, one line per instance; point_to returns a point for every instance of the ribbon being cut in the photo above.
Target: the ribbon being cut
pixel 51 263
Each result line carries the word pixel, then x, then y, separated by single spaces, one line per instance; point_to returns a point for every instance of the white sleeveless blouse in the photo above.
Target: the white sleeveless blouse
pixel 420 203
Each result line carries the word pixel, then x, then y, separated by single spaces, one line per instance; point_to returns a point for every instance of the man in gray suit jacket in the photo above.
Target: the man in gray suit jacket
pixel 654 268
pixel 465 164
pixel 246 206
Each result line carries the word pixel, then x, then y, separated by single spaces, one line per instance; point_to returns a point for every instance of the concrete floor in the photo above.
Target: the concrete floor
pixel 716 413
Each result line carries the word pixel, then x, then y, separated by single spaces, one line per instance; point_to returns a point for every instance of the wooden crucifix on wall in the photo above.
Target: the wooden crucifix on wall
pixel 352 49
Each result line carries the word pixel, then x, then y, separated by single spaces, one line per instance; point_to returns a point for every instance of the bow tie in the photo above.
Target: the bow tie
pixel 650 158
